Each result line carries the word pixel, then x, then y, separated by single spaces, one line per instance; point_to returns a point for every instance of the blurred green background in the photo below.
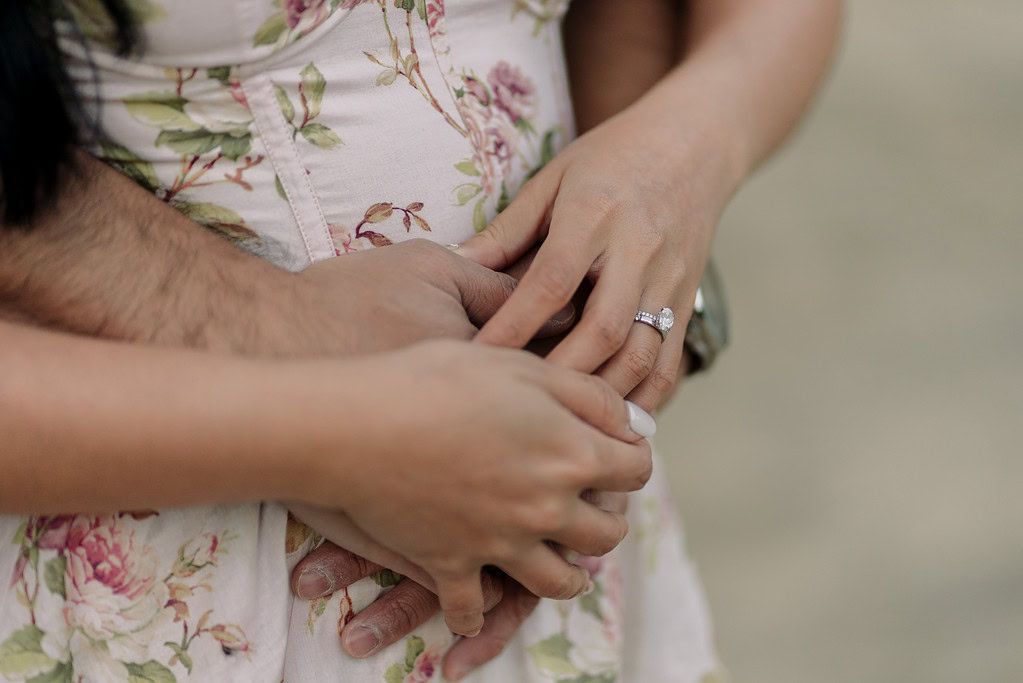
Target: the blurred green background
pixel 851 475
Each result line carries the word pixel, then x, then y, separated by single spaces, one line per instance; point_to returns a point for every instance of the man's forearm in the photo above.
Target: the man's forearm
pixel 108 259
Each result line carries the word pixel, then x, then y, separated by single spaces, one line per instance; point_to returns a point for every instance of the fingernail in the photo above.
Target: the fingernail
pixel 585 589
pixel 312 583
pixel 363 641
pixel 565 315
pixel 453 247
pixel 640 421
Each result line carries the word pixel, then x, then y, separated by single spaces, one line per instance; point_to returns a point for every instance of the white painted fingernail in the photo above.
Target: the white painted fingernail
pixel 453 247
pixel 640 421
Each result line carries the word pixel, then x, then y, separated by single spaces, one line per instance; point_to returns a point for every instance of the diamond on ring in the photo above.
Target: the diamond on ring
pixel 662 322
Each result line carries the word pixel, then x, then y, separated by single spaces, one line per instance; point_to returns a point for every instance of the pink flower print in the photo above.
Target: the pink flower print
pixel 435 17
pixel 110 582
pixel 50 532
pixel 237 93
pixel 196 554
pixel 296 10
pixel 426 665
pixel 501 143
pixel 474 87
pixel 514 92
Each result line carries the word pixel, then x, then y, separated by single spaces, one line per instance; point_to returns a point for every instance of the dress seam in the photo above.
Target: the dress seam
pixel 259 93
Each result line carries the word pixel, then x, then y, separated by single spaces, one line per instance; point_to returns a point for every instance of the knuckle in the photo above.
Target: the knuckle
pixel 555 282
pixel 408 610
pixel 545 517
pixel 560 587
pixel 639 360
pixel 610 334
pixel 662 380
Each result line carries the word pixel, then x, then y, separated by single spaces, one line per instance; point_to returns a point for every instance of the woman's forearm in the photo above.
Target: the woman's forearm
pixel 753 66
pixel 91 426
pixel 747 72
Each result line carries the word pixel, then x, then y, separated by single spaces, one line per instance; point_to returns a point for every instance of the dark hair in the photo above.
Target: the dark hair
pixel 39 110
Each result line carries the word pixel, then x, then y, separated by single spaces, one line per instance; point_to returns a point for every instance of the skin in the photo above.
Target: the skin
pixel 220 429
pixel 631 213
pixel 749 69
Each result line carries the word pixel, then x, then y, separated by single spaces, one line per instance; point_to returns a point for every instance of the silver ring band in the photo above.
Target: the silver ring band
pixel 662 322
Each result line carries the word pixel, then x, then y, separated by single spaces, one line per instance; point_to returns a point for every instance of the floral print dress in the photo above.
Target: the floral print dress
pixel 302 130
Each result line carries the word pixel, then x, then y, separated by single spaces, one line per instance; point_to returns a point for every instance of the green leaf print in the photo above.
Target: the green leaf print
pixel 467 167
pixel 421 6
pixel 312 86
pixel 504 200
pixel 407 5
pixel 19 535
pixel 233 147
pixel 414 647
pixel 222 74
pixel 386 577
pixel 219 219
pixel 62 673
pixel 284 102
pixel 466 192
pixel 181 655
pixel 125 161
pixel 270 31
pixel 53 574
pixel 319 135
pixel 22 656
pixel 551 656
pixel 165 110
pixel 189 142
pixel 150 672
pixel 479 215
pixel 591 678
pixel 395 674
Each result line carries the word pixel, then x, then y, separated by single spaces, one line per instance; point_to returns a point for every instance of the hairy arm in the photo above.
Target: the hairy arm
pixel 108 259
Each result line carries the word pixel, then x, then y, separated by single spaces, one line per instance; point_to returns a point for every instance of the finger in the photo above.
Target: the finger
pixel 327 569
pixel 664 375
pixel 559 267
pixel 593 531
pixel 592 400
pixel 484 291
pixel 546 574
pixel 340 529
pixel 520 226
pixel 499 627
pixel 612 501
pixel 461 599
pixel 636 359
pixel 400 611
pixel 622 466
pixel 605 322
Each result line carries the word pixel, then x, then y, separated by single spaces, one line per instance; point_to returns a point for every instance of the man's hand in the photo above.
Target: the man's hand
pixel 409 604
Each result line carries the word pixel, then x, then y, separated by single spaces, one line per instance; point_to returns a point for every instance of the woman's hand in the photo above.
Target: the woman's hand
pixel 472 456
pixel 632 208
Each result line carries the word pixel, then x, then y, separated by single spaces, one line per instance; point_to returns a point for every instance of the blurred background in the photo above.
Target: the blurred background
pixel 851 474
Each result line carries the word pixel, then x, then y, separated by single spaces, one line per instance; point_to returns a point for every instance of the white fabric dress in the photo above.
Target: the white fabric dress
pixel 302 130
